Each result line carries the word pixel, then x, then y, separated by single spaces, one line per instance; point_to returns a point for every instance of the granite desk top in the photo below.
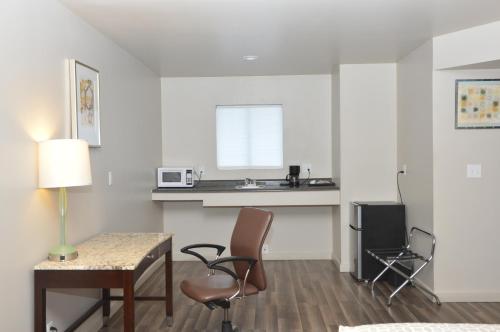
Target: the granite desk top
pixel 110 251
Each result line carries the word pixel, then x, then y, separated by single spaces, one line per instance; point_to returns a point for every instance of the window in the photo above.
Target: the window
pixel 249 136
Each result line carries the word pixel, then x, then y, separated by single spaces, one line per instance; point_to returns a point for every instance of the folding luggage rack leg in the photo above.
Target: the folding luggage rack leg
pixel 389 257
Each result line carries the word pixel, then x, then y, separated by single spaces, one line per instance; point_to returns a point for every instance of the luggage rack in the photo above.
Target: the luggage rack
pixel 390 256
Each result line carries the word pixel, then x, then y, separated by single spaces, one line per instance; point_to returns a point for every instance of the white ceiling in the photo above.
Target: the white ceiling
pixel 209 37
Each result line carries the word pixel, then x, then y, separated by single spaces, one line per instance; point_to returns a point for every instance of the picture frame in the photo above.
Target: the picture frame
pixel 477 103
pixel 85 103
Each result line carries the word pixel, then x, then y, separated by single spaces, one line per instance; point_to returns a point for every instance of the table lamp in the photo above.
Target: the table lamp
pixel 63 163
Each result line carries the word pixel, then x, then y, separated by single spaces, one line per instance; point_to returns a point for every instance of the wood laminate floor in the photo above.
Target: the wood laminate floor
pixel 301 296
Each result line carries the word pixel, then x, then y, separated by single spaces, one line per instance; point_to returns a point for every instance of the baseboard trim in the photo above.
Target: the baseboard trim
pixel 343 267
pixel 447 296
pixel 335 261
pixel 273 256
pixel 424 285
pixel 94 322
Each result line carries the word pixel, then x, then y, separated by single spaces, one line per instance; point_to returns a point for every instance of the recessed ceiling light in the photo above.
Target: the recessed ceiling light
pixel 250 57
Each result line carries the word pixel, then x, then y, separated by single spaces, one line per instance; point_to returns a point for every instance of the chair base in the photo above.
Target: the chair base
pixel 228 327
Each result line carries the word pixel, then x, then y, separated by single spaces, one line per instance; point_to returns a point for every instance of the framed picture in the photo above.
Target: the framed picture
pixel 477 103
pixel 84 98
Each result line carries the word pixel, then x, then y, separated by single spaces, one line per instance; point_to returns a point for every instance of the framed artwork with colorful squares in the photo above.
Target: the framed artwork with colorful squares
pixel 477 103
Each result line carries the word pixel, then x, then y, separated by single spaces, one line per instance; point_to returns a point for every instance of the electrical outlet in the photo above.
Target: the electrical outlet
pixel 51 327
pixel 305 167
pixel 110 178
pixel 474 170
pixel 201 169
pixel 265 249
pixel 404 169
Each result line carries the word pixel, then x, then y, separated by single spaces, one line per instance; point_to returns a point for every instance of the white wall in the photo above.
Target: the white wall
pixel 466 211
pixel 38 36
pixel 188 118
pixel 415 142
pixel 468 46
pixel 367 140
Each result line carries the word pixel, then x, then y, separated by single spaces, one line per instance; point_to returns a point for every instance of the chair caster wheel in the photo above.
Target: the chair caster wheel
pixel 228 327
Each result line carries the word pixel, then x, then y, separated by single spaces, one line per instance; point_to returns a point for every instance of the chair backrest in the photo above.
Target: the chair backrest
pixel 248 237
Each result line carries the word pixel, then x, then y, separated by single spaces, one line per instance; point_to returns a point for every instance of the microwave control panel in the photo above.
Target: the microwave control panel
pixel 189 177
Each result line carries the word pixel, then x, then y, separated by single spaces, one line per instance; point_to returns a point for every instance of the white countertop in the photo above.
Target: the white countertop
pixel 254 198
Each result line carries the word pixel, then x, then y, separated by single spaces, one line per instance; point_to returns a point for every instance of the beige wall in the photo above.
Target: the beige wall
pixel 188 111
pixel 38 36
pixel 465 217
pixel 466 213
pixel 439 196
pixel 336 228
pixel 189 120
pixel 296 232
pixel 336 123
pixel 415 142
pixel 367 140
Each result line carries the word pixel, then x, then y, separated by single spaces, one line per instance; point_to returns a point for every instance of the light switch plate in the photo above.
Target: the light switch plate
pixel 474 170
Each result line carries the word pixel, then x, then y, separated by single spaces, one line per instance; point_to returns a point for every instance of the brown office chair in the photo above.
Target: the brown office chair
pixel 248 278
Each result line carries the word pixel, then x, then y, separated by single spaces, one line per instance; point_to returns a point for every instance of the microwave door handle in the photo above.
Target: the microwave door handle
pixel 357 229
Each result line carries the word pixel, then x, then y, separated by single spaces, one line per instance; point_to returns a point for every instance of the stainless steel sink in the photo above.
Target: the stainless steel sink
pixel 250 186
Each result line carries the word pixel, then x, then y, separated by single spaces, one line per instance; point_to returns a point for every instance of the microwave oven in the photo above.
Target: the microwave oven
pixel 175 177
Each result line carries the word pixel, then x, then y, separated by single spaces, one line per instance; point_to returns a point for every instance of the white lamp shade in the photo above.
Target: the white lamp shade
pixel 63 163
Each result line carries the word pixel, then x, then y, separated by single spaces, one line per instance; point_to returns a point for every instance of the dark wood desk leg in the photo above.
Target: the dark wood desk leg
pixel 169 308
pixel 106 306
pixel 40 305
pixel 128 301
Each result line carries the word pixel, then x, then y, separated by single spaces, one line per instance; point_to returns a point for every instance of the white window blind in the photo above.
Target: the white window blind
pixel 249 136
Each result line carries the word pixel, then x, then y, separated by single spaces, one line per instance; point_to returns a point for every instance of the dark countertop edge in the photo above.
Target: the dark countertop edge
pixel 229 188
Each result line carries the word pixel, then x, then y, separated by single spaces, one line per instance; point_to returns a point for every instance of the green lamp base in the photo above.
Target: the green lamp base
pixel 63 253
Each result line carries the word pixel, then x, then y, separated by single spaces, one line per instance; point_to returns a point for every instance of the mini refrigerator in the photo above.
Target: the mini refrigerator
pixel 374 225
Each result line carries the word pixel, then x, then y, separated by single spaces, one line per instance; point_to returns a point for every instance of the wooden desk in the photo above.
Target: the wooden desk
pixel 114 260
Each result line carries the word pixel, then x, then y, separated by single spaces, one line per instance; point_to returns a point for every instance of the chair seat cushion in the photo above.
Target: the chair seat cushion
pixel 214 287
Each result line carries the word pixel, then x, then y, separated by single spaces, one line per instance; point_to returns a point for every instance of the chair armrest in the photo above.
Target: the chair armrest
pixel 187 250
pixel 215 264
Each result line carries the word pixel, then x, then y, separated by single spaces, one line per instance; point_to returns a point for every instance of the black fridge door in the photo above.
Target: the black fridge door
pixel 383 227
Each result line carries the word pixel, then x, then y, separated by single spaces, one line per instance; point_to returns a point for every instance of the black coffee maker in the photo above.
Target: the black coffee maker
pixel 293 176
